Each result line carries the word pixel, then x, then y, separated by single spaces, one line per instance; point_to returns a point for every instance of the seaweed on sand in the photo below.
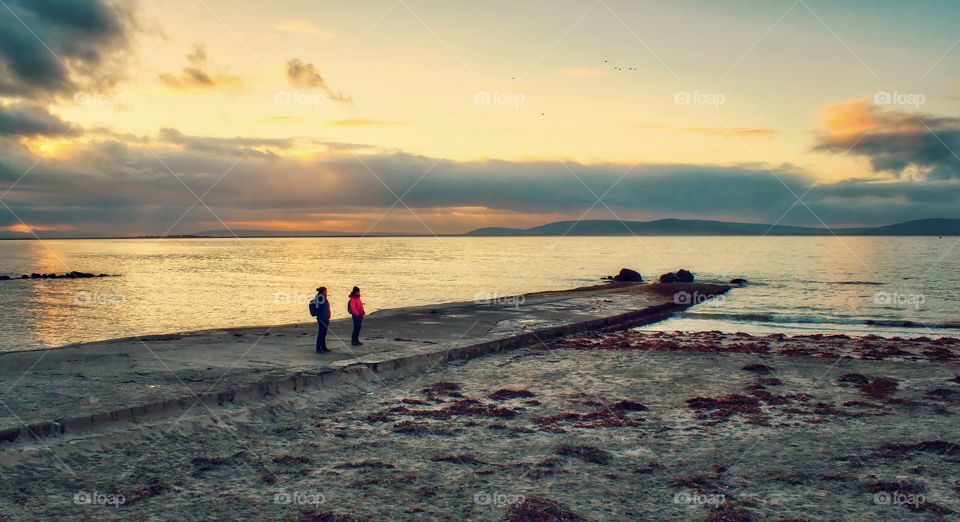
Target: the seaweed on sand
pixel 202 463
pixel 461 459
pixel 758 368
pixel 291 460
pixel 941 448
pixel 729 512
pixel 585 453
pixel 368 464
pixel 507 393
pixel 540 509
pixel 419 428
pixel 325 516
pixel 880 387
pixel 153 488
pixel 726 406
pixel 855 379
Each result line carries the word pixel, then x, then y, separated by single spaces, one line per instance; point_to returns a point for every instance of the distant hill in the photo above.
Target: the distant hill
pixel 700 227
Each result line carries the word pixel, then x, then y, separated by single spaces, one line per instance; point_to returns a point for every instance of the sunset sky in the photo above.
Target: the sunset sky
pixel 169 117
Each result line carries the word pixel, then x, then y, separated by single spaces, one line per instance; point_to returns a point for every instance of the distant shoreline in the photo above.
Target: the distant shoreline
pixel 932 227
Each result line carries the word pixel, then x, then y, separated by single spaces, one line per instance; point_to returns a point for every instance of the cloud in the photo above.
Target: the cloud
pixel 264 147
pixel 56 47
pixel 737 132
pixel 196 75
pixel 28 120
pixel 306 76
pixel 912 145
pixel 364 122
pixel 583 72
pixel 117 186
pixel 301 27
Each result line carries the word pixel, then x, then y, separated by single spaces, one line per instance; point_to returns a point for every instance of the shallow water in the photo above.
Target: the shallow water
pixel 894 286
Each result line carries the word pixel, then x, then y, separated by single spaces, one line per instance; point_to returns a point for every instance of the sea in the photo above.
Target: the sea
pixel 889 286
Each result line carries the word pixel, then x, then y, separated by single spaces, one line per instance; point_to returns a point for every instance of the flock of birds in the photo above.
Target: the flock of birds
pixel 615 68
pixel 621 68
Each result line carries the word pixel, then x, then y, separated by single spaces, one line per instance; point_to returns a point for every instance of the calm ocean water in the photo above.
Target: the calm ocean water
pixel 889 286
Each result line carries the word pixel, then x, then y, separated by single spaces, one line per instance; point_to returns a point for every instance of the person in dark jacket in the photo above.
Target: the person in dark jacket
pixel 323 318
pixel 355 307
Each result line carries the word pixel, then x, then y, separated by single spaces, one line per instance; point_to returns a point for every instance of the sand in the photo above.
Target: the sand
pixel 616 426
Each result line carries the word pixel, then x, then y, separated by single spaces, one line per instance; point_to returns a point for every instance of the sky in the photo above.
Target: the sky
pixel 169 117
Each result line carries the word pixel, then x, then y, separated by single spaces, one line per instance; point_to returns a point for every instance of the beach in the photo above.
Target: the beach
pixel 602 422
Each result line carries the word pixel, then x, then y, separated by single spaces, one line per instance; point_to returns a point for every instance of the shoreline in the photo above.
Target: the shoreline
pixel 660 426
pixel 122 381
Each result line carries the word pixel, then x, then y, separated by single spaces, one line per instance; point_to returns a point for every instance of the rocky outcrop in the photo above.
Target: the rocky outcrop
pixel 738 281
pixel 680 276
pixel 68 275
pixel 628 275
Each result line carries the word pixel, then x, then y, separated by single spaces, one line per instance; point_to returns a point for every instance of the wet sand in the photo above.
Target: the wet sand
pixel 596 426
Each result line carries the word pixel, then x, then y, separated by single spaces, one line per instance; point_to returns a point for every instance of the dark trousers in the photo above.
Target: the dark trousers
pixel 322 335
pixel 357 321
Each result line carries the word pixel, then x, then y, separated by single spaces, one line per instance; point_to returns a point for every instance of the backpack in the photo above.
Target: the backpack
pixel 314 309
pixel 349 311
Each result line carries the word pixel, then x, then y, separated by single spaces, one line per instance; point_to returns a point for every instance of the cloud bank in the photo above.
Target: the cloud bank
pixel 55 47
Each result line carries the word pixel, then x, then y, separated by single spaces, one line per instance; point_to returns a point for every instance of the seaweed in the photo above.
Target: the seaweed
pixel 880 387
pixel 506 394
pixel 540 509
pixel 726 405
pixel 938 447
pixel 365 464
pixel 210 463
pixel 729 512
pixel 325 516
pixel 758 368
pixel 855 379
pixel 585 453
pixel 290 460
pixel 461 459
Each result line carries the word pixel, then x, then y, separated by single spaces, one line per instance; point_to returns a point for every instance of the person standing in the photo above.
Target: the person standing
pixel 321 307
pixel 355 307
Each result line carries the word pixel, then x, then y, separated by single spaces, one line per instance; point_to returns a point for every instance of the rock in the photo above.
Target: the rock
pixel 628 275
pixel 684 276
pixel 4 278
pixel 738 282
pixel 34 276
pixel 669 277
pixel 24 276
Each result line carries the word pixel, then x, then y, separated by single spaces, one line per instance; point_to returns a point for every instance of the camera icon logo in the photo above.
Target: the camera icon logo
pixel 682 98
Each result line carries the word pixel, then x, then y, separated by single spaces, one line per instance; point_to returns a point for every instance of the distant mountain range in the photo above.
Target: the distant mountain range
pixel 700 227
pixel 593 227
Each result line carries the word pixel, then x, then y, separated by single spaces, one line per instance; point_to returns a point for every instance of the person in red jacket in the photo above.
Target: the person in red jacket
pixel 355 306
